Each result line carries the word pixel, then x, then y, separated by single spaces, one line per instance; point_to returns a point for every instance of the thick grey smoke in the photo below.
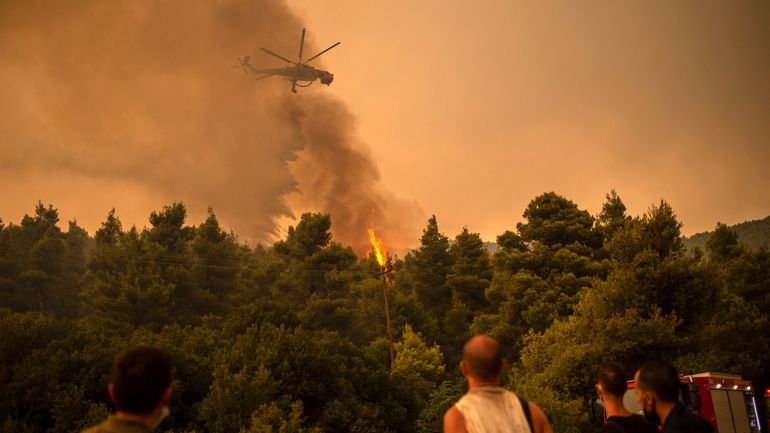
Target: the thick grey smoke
pixel 134 105
pixel 343 179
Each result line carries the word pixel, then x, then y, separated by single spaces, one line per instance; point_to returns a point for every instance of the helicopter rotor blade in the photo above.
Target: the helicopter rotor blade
pixel 243 63
pixel 277 55
pixel 301 45
pixel 265 76
pixel 308 60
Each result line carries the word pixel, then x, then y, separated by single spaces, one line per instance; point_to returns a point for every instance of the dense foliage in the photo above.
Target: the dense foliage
pixel 291 338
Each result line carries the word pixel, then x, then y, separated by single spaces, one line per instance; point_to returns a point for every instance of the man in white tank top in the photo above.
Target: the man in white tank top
pixel 486 407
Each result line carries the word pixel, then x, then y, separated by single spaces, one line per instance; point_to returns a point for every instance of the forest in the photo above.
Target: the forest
pixel 754 234
pixel 291 337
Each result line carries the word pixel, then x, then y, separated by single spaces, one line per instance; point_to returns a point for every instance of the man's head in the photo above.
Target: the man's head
pixel 141 380
pixel 611 381
pixel 482 360
pixel 656 382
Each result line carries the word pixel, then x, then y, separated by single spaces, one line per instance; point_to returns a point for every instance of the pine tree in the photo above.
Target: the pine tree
pixel 430 266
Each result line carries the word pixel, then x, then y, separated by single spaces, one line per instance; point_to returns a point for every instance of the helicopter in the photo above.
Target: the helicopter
pixel 299 73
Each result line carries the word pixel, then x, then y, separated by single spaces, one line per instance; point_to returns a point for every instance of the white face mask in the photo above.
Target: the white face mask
pixel 165 412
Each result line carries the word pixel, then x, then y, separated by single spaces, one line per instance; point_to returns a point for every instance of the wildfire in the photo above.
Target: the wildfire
pixel 379 249
pixel 380 253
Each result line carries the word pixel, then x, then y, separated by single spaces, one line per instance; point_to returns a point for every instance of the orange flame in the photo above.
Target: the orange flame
pixel 379 249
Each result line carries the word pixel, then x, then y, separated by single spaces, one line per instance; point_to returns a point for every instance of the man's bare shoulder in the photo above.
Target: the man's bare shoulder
pixel 113 425
pixel 454 421
pixel 539 420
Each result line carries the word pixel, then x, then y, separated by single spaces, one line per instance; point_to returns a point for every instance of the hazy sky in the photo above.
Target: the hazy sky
pixel 472 109
pixel 466 110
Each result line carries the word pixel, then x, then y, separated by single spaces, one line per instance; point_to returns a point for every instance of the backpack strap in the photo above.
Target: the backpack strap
pixel 527 414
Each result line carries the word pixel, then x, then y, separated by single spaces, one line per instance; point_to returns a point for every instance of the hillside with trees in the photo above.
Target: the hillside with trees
pixel 292 338
pixel 752 234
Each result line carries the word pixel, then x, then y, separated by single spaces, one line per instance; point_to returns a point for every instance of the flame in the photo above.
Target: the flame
pixel 379 249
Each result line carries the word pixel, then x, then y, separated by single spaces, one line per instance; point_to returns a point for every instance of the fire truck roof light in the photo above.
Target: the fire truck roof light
pixel 735 386
pixel 748 388
pixel 719 385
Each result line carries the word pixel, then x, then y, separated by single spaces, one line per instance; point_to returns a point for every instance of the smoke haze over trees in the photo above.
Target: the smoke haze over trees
pixel 753 234
pixel 138 105
pixel 291 337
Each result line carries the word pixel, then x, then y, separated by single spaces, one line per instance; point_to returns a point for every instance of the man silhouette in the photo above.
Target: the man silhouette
pixel 487 407
pixel 140 390
pixel 611 386
pixel 657 388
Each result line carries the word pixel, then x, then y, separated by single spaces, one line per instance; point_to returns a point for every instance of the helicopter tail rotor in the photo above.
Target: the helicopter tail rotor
pixel 243 63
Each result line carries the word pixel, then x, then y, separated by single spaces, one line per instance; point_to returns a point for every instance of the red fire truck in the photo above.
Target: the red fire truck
pixel 726 401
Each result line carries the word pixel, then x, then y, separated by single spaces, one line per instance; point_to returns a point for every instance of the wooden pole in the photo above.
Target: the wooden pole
pixel 391 347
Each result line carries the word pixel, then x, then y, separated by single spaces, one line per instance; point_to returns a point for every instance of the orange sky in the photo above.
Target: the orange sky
pixel 472 109
pixel 466 110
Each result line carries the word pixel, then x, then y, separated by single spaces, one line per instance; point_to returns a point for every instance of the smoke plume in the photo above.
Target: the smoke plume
pixel 134 105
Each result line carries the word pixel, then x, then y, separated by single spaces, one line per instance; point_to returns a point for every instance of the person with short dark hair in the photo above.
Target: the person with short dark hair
pixel 140 390
pixel 487 407
pixel 611 384
pixel 657 388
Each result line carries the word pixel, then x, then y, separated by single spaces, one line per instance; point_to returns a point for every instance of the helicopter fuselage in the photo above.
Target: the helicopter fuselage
pixel 301 73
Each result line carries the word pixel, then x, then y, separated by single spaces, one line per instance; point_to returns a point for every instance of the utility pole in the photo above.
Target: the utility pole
pixel 391 347
pixel 382 260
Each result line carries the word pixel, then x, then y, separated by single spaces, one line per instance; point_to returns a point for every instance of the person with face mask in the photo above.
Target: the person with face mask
pixel 140 390
pixel 657 388
pixel 611 384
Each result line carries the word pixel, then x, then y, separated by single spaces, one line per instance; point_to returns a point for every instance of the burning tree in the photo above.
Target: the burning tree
pixel 381 255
